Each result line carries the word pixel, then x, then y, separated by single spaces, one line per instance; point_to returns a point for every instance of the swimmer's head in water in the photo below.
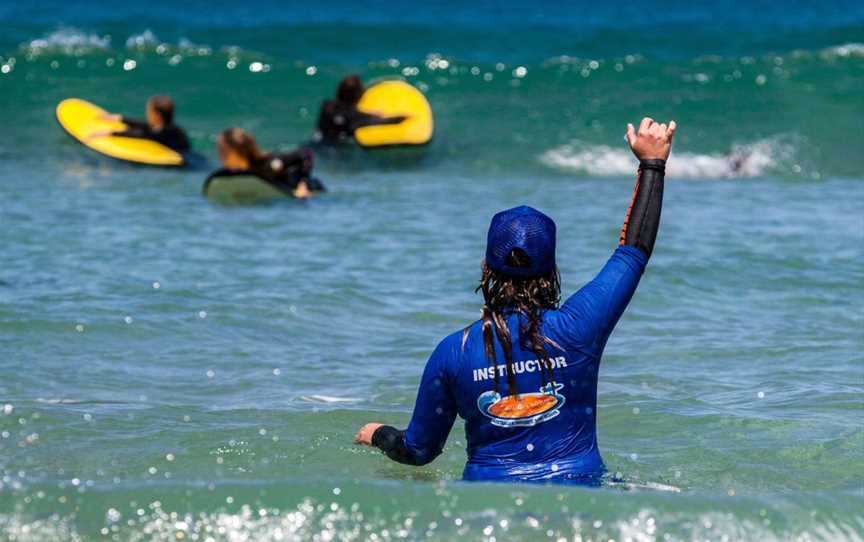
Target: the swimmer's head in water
pixel 519 275
pixel 160 111
pixel 350 90
pixel 237 149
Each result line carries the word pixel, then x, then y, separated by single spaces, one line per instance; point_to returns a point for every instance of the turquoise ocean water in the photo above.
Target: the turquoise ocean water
pixel 172 369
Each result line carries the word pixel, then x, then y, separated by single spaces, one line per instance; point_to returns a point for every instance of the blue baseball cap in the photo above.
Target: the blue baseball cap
pixel 530 231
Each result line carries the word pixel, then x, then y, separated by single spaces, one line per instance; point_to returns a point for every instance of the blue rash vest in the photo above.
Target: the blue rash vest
pixel 552 434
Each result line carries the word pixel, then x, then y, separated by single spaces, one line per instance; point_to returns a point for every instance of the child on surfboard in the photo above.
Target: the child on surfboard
pixel 158 127
pixel 291 171
pixel 339 118
pixel 534 417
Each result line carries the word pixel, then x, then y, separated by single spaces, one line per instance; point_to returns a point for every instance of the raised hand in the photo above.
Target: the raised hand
pixel 652 141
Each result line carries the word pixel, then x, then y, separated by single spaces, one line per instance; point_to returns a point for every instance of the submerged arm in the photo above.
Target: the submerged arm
pixel 391 441
pixel 434 414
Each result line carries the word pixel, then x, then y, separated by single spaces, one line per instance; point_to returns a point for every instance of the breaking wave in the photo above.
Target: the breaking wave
pixel 742 161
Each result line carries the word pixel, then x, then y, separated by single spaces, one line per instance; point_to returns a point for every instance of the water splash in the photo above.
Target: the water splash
pixel 327 399
pixel 320 520
pixel 844 51
pixel 144 40
pixel 67 40
pixel 742 161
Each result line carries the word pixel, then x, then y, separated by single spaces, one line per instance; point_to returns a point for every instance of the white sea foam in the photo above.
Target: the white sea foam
pixel 143 40
pixel 741 161
pixel 327 399
pixel 190 48
pixel 654 486
pixel 310 520
pixel 72 41
pixel 845 50
pixel 148 41
pixel 68 40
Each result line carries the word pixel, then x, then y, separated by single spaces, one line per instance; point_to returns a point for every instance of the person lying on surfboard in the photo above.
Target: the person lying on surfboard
pixel 533 417
pixel 159 125
pixel 291 171
pixel 339 118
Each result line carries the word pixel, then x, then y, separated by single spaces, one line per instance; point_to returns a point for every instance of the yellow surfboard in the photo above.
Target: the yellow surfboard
pixel 81 118
pixel 393 99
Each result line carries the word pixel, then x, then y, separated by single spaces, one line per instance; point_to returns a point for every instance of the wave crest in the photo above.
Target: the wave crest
pixel 75 42
pixel 144 40
pixel 742 161
pixel 844 51
pixel 69 41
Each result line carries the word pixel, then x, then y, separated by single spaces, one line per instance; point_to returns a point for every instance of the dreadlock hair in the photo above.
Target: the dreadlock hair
pixel 504 295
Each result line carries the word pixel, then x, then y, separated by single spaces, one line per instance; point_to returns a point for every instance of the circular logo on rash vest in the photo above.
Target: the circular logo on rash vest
pixel 521 410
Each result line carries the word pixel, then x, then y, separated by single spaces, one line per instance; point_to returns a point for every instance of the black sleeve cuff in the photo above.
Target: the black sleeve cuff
pixel 391 441
pixel 656 164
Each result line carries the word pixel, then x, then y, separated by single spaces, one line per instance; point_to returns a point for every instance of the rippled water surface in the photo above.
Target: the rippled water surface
pixel 174 369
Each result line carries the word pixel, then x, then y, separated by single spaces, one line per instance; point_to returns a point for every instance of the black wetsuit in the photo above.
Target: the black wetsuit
pixel 287 170
pixel 283 170
pixel 643 216
pixel 171 136
pixel 338 121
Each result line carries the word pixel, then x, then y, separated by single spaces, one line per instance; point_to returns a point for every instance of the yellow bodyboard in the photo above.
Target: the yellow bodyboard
pixel 81 118
pixel 393 99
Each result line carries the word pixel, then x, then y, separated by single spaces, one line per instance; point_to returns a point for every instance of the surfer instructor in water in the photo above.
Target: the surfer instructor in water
pixel 524 376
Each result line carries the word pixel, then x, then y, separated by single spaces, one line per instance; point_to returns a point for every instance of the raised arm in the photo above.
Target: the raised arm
pixel 594 310
pixel 651 145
